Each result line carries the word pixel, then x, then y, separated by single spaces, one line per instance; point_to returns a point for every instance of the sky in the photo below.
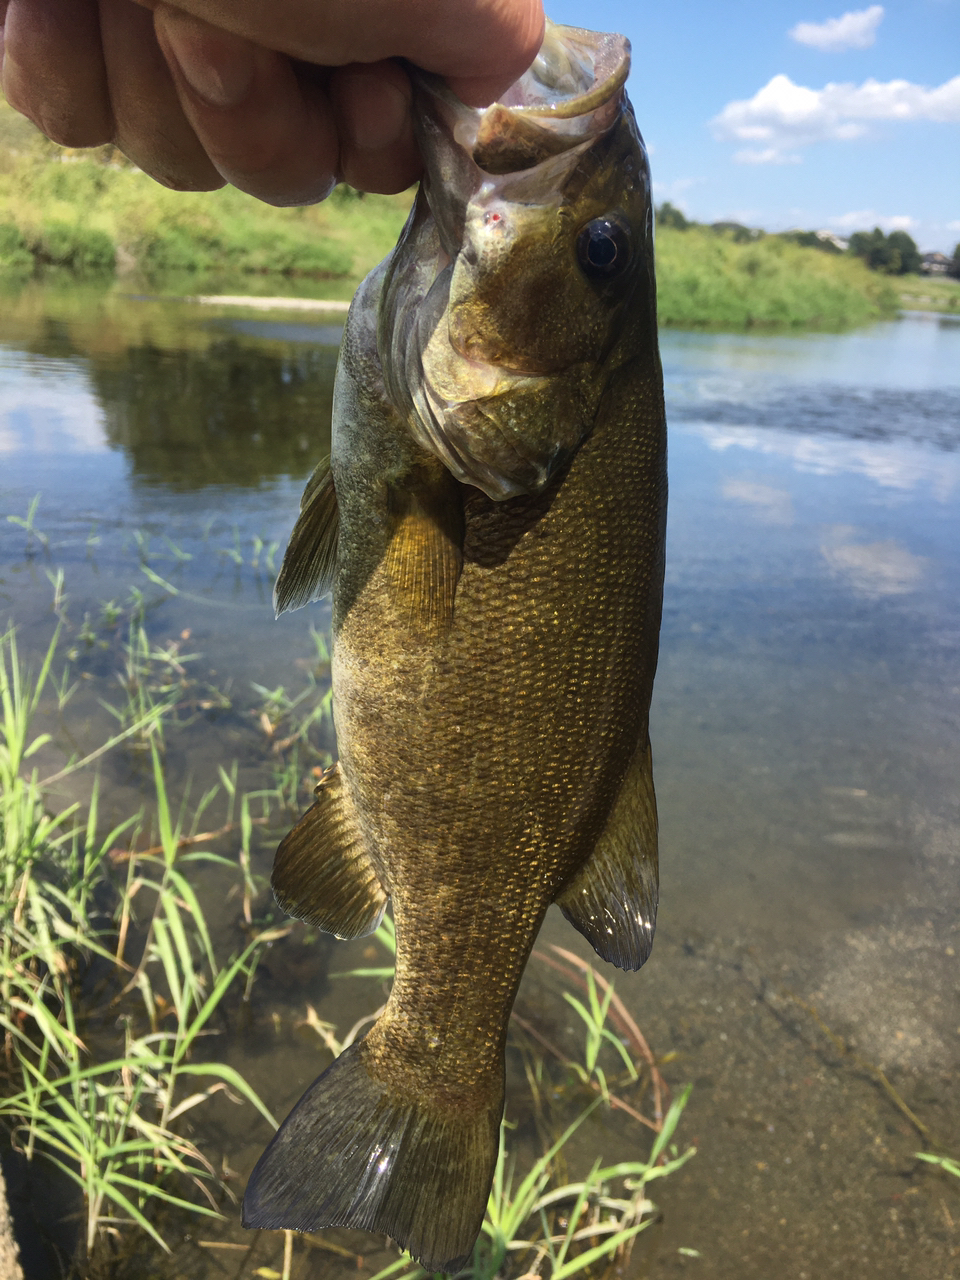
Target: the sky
pixel 797 113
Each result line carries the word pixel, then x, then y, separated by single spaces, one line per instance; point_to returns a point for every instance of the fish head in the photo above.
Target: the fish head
pixel 528 266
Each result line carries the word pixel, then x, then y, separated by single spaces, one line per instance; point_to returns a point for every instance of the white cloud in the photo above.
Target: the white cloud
pixel 675 191
pixel 854 30
pixel 767 155
pixel 953 226
pixel 783 116
pixel 867 219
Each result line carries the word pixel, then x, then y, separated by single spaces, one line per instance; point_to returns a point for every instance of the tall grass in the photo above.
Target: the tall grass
pixel 93 211
pixel 108 1121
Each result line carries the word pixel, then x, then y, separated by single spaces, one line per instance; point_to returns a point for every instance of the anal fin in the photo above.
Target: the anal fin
pixel 612 899
pixel 322 872
pixel 310 560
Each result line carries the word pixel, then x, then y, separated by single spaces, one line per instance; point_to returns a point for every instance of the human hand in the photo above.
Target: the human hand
pixel 282 100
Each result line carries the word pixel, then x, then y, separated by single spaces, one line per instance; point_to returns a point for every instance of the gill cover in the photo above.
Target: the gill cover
pixel 506 299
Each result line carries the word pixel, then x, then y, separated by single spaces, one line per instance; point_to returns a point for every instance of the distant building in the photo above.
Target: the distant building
pixel 935 264
pixel 838 242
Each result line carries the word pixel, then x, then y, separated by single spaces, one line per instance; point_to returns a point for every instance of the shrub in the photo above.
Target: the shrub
pixel 706 280
pixel 81 248
pixel 14 253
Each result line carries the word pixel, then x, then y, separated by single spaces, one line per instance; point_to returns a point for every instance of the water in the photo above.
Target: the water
pixel 805 726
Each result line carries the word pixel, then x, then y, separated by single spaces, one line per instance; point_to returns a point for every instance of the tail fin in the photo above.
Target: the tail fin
pixel 351 1154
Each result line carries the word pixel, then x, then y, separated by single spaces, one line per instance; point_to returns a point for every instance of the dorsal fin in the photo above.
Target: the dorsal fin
pixel 310 560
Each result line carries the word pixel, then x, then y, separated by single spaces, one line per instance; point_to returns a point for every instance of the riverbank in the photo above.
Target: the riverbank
pixel 929 293
pixel 92 213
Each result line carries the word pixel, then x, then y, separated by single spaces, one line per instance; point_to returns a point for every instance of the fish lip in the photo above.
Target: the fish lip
pixel 604 64
pixel 572 92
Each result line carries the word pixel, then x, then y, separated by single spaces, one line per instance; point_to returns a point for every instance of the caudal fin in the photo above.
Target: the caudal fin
pixel 353 1154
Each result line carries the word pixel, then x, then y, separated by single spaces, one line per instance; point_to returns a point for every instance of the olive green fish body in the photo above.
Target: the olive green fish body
pixel 492 527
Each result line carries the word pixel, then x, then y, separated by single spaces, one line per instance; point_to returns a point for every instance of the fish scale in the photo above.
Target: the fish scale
pixel 492 529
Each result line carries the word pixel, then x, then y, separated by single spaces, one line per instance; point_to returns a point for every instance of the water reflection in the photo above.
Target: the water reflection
pixel 873 568
pixel 189 399
pixel 232 414
pixel 898 381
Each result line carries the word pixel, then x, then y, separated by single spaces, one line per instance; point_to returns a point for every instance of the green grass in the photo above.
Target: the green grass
pixel 110 1121
pixel 709 280
pixel 929 293
pixel 92 211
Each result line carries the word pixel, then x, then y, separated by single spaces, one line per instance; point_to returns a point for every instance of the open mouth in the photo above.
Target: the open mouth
pixel 571 92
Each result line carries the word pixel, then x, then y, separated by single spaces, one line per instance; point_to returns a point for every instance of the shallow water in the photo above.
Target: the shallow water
pixel 805 725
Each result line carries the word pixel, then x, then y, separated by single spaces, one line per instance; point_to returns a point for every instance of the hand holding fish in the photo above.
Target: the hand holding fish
pixel 281 100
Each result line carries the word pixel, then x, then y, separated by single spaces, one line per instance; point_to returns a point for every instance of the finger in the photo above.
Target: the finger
pixel 490 42
pixel 151 127
pixel 372 104
pixel 53 69
pixel 268 132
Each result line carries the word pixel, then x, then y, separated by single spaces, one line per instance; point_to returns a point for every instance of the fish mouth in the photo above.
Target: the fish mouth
pixel 570 94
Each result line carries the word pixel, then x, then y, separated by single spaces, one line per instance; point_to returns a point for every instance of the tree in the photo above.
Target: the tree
pixel 898 242
pixel 895 254
pixel 954 267
pixel 670 216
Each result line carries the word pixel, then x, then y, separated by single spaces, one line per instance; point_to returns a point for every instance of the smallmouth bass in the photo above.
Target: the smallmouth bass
pixel 491 523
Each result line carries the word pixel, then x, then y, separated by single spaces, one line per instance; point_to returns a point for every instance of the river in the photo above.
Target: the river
pixel 806 726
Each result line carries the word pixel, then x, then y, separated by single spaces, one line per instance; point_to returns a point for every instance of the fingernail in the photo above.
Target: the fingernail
pixel 218 66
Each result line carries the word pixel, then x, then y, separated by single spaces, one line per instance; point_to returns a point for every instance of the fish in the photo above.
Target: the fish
pixel 491 524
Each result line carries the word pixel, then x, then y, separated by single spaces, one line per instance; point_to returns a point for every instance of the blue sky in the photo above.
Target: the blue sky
pixel 851 121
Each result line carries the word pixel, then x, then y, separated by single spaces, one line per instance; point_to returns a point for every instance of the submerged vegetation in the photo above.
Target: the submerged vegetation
pixel 133 950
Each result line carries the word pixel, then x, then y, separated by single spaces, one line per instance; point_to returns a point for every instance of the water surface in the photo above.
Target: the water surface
pixel 805 724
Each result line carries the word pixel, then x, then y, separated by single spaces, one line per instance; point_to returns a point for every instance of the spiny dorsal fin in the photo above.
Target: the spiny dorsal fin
pixel 612 899
pixel 425 555
pixel 322 872
pixel 311 556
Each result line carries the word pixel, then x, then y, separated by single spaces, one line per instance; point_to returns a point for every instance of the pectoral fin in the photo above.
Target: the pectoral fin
pixel 612 899
pixel 322 872
pixel 425 555
pixel 310 560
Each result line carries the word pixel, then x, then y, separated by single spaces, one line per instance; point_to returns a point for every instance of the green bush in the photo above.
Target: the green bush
pixel 15 256
pixel 242 246
pixel 78 214
pixel 81 248
pixel 709 280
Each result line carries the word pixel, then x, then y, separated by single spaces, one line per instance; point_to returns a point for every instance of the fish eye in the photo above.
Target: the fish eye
pixel 603 249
